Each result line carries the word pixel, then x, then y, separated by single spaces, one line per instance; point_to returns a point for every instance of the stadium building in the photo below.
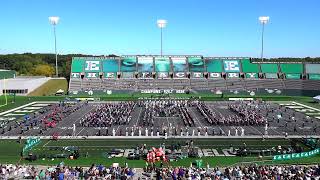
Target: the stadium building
pixel 10 83
pixel 184 74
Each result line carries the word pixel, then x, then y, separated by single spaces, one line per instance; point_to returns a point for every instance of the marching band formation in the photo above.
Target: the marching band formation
pixel 106 115
pixel 165 117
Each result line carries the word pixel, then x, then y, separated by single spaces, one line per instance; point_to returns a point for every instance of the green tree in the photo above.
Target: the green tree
pixel 23 67
pixel 43 70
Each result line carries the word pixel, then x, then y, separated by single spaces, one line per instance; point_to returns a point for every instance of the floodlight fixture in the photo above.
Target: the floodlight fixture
pixel 264 19
pixel 54 20
pixel 162 23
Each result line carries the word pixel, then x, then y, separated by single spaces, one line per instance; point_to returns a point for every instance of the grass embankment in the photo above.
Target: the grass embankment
pixel 50 88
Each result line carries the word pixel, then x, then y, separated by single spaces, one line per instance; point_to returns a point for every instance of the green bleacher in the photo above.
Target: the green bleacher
pixel 248 67
pixel 214 65
pixel 269 68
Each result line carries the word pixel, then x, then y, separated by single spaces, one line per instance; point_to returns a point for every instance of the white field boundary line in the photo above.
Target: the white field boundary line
pixel 161 137
pixel 149 139
pixel 108 146
pixel 46 144
pixel 29 104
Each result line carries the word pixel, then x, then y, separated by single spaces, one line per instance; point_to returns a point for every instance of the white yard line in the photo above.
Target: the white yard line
pixel 194 114
pixel 306 106
pixel 76 120
pixel 138 117
pixel 256 130
pixel 20 107
pixel 117 129
pixel 274 131
pixel 80 131
pixel 217 110
pixel 168 123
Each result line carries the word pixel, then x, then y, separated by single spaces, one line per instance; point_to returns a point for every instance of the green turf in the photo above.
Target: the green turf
pixel 95 149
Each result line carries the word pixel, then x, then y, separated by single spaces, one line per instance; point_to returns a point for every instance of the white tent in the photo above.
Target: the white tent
pixel 60 91
pixel 317 98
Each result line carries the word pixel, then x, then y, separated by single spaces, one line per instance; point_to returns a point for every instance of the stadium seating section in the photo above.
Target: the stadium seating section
pixel 189 72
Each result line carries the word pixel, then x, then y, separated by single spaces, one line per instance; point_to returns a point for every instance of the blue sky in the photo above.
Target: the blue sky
pixel 204 27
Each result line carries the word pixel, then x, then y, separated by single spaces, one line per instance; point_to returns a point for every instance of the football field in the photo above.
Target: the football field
pixel 93 150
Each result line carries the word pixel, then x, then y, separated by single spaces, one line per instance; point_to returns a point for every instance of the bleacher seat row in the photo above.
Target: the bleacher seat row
pixel 203 84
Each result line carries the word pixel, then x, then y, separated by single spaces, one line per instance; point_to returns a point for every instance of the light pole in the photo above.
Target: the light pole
pixel 54 21
pixel 263 20
pixel 161 24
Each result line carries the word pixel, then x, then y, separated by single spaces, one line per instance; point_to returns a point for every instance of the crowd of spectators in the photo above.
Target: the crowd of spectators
pixel 62 172
pixel 250 172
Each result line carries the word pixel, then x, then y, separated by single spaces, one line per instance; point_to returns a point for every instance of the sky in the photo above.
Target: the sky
pixel 195 27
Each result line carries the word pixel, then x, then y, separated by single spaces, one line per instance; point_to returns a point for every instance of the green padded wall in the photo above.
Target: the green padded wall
pixel 271 76
pixel 214 65
pixel 196 64
pixel 77 65
pixel 110 65
pixel 269 68
pixel 291 68
pixel 314 76
pixel 312 68
pixel 293 76
pixel 249 67
pixel 162 65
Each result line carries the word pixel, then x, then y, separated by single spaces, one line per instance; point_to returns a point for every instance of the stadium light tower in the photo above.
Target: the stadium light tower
pixel 263 20
pixel 161 24
pixel 54 21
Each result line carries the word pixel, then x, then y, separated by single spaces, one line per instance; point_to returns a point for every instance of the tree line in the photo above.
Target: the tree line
pixel 44 64
pixel 28 64
pixel 288 59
